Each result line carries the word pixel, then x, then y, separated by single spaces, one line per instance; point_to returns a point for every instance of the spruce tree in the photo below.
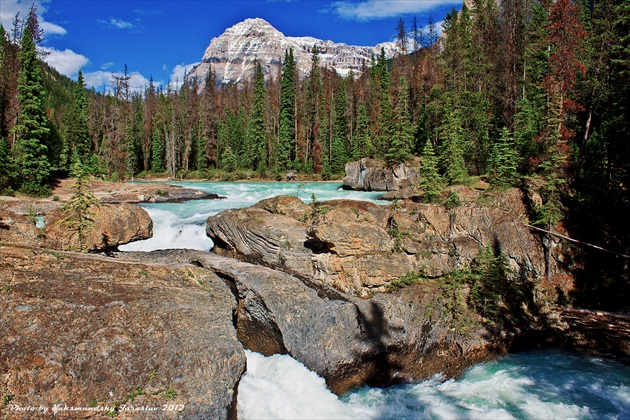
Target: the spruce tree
pixel 78 138
pixel 286 134
pixel 362 146
pixel 430 180
pixel 340 132
pixel 385 114
pixel 503 163
pixel 157 150
pixel 257 126
pixel 314 115
pixel 401 143
pixel 29 151
pixel 201 148
pixel 229 162
pixel 453 149
pixel 80 219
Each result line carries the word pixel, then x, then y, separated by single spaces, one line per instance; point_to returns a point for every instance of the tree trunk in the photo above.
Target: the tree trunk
pixel 587 129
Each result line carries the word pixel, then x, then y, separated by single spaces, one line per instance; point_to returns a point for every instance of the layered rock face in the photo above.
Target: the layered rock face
pixel 359 246
pixel 112 225
pixel 87 331
pixel 232 55
pixel 373 175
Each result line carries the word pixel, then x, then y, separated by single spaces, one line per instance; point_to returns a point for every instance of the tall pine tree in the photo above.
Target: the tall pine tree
pixel 381 77
pixel 77 141
pixel 339 155
pixel 401 143
pixel 362 146
pixel 430 180
pixel 314 155
pixel 29 151
pixel 257 127
pixel 452 154
pixel 286 133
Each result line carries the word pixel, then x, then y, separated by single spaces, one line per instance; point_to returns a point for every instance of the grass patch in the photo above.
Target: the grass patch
pixel 169 393
pixel 408 279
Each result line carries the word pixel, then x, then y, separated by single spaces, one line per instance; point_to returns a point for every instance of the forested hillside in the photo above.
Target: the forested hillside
pixel 521 90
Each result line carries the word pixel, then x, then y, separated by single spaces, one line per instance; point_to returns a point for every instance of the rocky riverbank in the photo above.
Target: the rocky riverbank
pixel 328 283
pixel 360 247
pixel 350 341
pixel 105 192
pixel 111 220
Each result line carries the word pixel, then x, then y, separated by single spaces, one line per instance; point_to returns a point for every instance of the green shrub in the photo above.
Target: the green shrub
pixel 453 200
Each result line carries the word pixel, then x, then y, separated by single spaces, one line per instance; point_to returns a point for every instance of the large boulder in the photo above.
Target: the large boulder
pixel 404 335
pixel 360 246
pixel 357 251
pixel 111 225
pixel 87 331
pixel 271 233
pixel 286 205
pixel 375 175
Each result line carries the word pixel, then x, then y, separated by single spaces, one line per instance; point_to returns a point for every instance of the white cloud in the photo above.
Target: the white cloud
pixel 179 72
pixel 107 65
pixel 66 62
pixel 138 82
pixel 367 10
pixel 52 28
pixel 117 23
pixel 103 80
pixel 98 79
pixel 8 9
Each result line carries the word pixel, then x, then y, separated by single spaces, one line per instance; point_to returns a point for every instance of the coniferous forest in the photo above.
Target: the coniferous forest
pixel 518 92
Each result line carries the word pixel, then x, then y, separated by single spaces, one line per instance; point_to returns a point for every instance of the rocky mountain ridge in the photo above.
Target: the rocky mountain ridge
pixel 233 54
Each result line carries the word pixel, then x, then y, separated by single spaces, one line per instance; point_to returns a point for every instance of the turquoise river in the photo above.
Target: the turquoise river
pixel 533 385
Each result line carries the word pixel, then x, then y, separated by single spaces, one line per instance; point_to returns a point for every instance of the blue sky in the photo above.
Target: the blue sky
pixel 162 38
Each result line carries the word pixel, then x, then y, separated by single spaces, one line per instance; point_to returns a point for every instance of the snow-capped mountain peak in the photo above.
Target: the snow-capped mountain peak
pixel 233 54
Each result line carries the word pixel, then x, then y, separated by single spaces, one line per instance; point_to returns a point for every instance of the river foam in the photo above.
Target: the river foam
pixel 536 385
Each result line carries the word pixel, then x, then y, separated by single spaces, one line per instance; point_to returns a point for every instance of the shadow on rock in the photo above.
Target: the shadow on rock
pixel 378 359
